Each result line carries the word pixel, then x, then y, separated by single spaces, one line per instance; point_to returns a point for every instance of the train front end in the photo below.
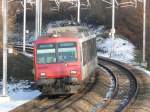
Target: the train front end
pixel 57 65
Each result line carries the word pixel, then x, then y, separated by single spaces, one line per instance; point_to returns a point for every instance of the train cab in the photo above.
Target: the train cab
pixel 61 63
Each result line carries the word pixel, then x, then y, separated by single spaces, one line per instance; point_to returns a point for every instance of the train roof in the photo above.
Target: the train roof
pixel 75 29
pixel 80 32
pixel 69 31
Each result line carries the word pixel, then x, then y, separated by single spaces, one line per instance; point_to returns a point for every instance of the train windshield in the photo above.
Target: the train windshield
pixel 67 52
pixel 56 53
pixel 46 53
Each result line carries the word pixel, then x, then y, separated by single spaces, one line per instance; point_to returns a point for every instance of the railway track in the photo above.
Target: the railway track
pixel 127 86
pixel 112 89
pixel 55 103
pixel 19 47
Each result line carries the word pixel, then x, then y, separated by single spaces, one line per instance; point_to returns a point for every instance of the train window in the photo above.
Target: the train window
pixel 67 52
pixel 45 46
pixel 56 53
pixel 85 55
pixel 46 53
pixel 67 44
pixel 89 50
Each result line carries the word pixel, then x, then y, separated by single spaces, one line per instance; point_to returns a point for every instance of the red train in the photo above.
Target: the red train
pixel 64 59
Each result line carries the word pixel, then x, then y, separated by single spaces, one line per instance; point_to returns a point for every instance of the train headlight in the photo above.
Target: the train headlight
pixel 42 75
pixel 73 72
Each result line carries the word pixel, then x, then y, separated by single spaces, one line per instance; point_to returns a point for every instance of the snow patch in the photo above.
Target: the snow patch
pixel 123 49
pixel 143 69
pixel 28 54
pixel 19 93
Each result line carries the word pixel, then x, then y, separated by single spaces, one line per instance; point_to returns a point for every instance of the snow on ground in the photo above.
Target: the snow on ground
pixel 147 72
pixel 19 93
pixel 28 54
pixel 123 50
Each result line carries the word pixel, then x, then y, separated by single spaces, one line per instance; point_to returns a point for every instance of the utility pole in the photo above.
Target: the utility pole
pixel 113 4
pixel 40 26
pixel 37 20
pixel 24 25
pixel 4 96
pixel 78 12
pixel 144 32
pixel 113 26
pixel 4 8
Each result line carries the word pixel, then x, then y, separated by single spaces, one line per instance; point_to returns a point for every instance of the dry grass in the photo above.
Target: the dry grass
pixel 19 67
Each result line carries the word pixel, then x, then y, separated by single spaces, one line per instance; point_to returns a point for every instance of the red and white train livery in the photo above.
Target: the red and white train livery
pixel 64 60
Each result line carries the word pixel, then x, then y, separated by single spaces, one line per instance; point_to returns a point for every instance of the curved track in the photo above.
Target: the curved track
pixel 112 89
pixel 127 86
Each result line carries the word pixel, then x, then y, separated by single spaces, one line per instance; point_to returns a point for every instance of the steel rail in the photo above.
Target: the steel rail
pixel 114 88
pixel 133 91
pixel 69 101
pixel 37 102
